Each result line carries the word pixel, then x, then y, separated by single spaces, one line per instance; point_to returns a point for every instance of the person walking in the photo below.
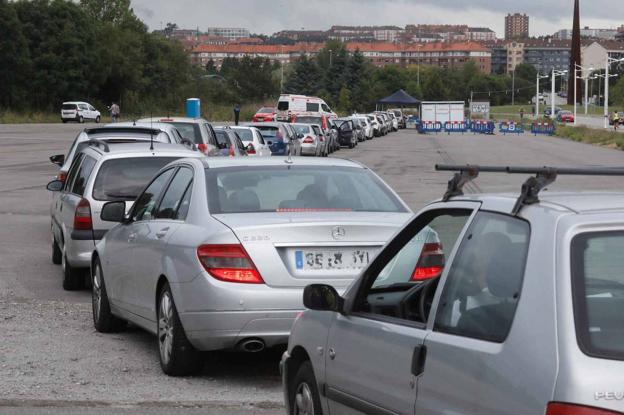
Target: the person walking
pixel 236 113
pixel 115 111
pixel 616 120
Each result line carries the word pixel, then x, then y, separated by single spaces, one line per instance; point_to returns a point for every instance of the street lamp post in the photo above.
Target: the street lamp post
pixel 588 71
pixel 608 63
pixel 537 83
pixel 552 91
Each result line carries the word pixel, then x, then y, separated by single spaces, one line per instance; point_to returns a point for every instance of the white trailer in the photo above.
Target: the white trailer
pixel 442 111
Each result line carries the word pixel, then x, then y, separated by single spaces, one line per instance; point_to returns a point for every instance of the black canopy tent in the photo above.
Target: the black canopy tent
pixel 401 98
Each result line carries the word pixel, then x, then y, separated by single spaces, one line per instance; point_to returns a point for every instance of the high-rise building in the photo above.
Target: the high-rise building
pixel 516 26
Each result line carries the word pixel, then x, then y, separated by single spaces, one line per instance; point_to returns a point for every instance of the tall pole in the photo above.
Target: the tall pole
pixel 606 94
pixel 537 96
pixel 575 70
pixel 552 96
pixel 586 92
pixel 513 87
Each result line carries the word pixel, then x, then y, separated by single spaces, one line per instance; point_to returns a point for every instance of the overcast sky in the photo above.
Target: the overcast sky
pixel 269 16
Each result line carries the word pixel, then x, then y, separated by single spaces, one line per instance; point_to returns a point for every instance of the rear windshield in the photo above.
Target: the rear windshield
pixel 309 120
pixel 189 130
pixel 268 131
pixel 598 289
pixel 312 107
pixel 282 105
pixel 302 129
pixel 397 113
pixel 298 189
pixel 69 106
pixel 244 134
pixel 222 139
pixel 265 110
pixel 123 179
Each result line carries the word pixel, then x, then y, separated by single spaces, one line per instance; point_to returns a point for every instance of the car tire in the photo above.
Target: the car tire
pixel 73 278
pixel 81 120
pixel 103 320
pixel 303 392
pixel 97 119
pixel 57 254
pixel 177 355
pixel 64 121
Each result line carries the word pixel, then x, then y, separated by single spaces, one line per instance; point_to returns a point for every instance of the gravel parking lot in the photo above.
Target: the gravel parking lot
pixel 51 358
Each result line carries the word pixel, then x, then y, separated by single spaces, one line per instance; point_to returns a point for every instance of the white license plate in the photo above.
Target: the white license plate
pixel 313 259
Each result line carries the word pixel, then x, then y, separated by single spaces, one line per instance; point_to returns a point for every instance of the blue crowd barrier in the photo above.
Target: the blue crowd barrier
pixel 543 128
pixel 482 127
pixel 455 127
pixel 430 127
pixel 510 127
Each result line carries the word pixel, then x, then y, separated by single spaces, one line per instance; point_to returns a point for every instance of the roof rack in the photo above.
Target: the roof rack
pixel 530 188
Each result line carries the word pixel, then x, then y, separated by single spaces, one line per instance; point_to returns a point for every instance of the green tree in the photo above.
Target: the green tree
pixel 434 85
pixel 116 12
pixel 305 77
pixel 344 100
pixel 14 58
pixel 617 94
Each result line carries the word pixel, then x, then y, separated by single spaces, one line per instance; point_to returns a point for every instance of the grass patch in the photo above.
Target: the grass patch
pixel 591 136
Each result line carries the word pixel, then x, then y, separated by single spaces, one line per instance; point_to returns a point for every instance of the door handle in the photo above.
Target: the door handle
pixel 132 237
pixel 332 353
pixel 162 233
pixel 418 360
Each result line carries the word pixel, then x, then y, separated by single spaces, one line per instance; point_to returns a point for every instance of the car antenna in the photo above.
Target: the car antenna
pixel 152 130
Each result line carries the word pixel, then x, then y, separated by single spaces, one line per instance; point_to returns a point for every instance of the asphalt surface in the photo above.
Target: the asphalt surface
pixel 52 361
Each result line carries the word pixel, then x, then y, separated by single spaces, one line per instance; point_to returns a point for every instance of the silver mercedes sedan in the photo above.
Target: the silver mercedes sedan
pixel 215 253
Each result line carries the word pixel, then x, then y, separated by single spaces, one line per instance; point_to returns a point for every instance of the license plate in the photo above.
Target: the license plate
pixel 332 260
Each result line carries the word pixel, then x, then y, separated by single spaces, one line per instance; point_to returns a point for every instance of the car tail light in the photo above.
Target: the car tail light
pixel 62 176
pixel 203 148
pixel 82 216
pixel 430 264
pixel 308 140
pixel 251 149
pixel 558 408
pixel 229 263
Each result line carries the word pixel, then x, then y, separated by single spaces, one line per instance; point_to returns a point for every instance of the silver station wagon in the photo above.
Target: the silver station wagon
pixel 215 252
pixel 527 316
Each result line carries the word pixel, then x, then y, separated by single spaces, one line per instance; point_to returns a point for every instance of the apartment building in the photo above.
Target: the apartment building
pixel 516 26
pixel 228 32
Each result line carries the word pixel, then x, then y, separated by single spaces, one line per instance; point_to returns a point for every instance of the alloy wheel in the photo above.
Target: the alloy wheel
pixel 304 403
pixel 97 292
pixel 165 327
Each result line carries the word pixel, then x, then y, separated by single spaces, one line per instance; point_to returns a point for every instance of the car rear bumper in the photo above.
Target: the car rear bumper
pixel 215 330
pixel 219 315
pixel 79 252
pixel 308 149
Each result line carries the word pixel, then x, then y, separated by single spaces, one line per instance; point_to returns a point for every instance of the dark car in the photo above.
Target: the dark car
pixel 229 143
pixel 347 133
pixel 548 111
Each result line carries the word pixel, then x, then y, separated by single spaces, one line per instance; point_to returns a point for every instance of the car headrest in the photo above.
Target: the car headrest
pixel 243 201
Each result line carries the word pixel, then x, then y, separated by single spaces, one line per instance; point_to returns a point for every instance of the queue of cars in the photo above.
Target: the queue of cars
pixel 430 312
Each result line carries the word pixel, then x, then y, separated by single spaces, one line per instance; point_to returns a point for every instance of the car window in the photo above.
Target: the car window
pixel 172 198
pixel 325 108
pixel 82 106
pixel 82 176
pixel 316 129
pixel 185 203
pixel 146 203
pixel 259 137
pixel 302 129
pixel 71 175
pixel 598 290
pixel 417 256
pixel 239 143
pixel 312 106
pixel 298 189
pixel 68 106
pixel 91 108
pixel 484 283
pixel 124 178
pixel 282 105
pixel 222 139
pixel 189 130
pixel 211 134
pixel 244 134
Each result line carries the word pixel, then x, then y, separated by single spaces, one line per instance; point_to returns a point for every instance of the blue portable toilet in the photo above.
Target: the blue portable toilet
pixel 193 108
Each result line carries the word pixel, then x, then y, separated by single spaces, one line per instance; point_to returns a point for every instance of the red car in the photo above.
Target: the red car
pixel 565 116
pixel 264 114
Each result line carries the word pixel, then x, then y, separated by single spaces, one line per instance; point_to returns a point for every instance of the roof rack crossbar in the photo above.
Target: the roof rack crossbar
pixel 544 176
pixel 458 181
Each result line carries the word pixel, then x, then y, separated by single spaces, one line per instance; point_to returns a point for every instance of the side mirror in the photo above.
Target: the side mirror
pixel 299 135
pixel 113 212
pixel 59 159
pixel 55 186
pixel 269 143
pixel 322 297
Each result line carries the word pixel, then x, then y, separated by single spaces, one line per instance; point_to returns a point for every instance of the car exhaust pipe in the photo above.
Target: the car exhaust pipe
pixel 251 345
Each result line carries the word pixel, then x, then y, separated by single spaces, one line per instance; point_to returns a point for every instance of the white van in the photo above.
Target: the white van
pixel 79 111
pixel 289 105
